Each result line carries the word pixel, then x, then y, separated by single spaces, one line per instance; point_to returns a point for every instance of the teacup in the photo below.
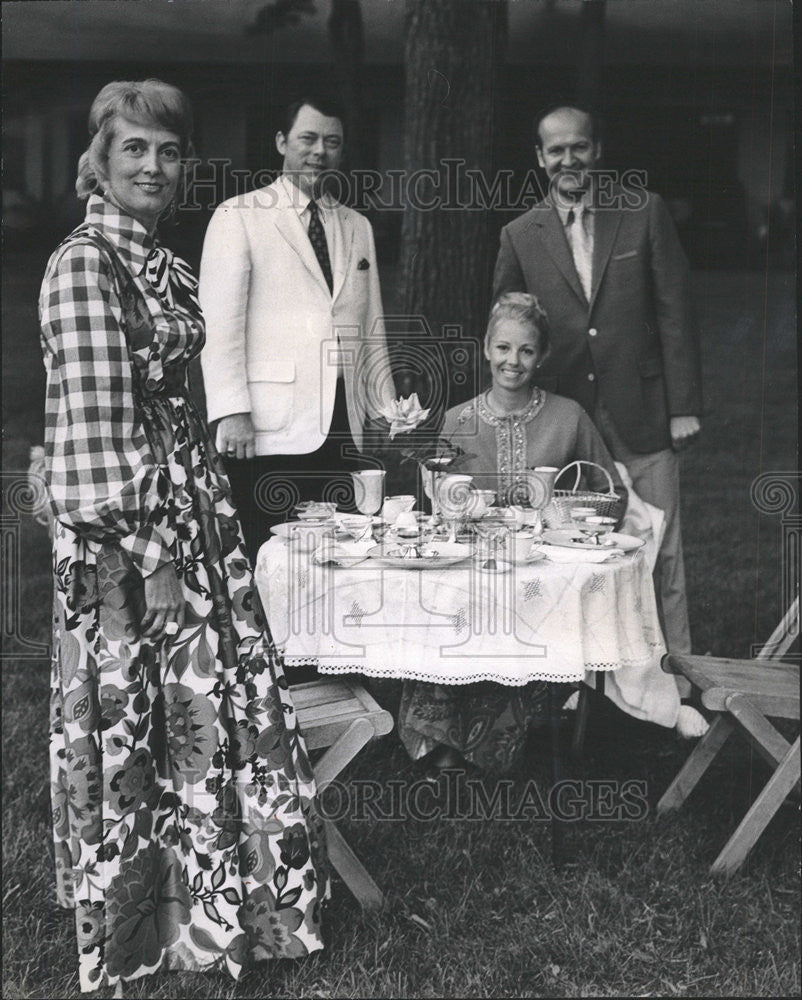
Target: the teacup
pixel 518 545
pixel 525 516
pixel 481 501
pixel 407 522
pixel 397 505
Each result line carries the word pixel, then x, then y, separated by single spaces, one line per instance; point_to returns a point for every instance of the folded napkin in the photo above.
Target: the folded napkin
pixel 558 554
pixel 643 520
pixel 341 553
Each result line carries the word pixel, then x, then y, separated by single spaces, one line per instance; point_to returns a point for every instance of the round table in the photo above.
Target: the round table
pixel 550 621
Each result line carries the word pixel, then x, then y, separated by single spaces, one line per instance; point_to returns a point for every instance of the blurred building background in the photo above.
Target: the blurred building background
pixel 697 93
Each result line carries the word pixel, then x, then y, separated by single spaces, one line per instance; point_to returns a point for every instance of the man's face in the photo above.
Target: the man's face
pixel 567 151
pixel 314 144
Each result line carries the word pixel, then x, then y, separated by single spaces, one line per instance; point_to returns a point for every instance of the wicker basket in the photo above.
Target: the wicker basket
pixel 564 501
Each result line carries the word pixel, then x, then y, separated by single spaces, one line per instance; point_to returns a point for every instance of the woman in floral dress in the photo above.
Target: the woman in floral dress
pixel 185 835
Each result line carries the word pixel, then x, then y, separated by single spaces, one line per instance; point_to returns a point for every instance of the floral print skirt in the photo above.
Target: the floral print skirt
pixel 182 795
pixel 486 723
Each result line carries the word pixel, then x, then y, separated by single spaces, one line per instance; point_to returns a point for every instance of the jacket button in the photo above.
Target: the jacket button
pixel 592 331
pixel 591 377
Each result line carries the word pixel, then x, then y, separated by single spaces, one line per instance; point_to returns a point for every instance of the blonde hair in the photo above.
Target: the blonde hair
pixel 147 102
pixel 525 309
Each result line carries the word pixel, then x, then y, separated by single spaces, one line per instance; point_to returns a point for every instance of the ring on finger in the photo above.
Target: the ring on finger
pixel 171 628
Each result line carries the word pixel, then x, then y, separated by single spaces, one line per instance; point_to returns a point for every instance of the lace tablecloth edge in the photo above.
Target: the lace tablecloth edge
pixel 473 678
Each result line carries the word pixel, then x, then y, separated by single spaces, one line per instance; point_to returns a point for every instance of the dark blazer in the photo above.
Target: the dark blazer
pixel 634 346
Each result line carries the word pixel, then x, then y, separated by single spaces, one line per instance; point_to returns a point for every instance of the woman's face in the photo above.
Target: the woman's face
pixel 144 167
pixel 513 354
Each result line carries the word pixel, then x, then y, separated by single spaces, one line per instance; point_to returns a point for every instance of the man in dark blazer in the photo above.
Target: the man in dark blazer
pixel 607 266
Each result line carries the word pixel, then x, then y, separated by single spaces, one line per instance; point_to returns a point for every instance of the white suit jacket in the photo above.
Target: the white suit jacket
pixel 272 325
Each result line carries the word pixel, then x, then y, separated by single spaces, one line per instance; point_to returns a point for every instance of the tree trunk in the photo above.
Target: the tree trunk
pixel 453 51
pixel 591 54
pixel 348 44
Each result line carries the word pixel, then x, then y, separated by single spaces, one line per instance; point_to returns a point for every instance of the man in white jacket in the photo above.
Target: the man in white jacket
pixel 296 357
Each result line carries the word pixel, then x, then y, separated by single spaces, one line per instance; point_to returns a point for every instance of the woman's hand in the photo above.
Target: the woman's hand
pixel 164 604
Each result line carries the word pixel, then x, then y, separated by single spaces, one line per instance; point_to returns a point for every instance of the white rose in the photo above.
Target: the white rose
pixel 404 414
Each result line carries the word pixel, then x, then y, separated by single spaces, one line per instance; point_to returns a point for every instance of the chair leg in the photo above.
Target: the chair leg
pixel 556 698
pixel 756 727
pixel 351 870
pixel 695 766
pixel 342 752
pixel 760 813
pixel 580 723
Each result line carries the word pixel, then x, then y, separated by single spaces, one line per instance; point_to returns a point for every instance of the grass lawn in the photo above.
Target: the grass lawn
pixel 475 906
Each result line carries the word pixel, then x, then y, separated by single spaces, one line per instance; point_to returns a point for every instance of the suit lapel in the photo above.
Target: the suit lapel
pixel 605 228
pixel 292 230
pixel 552 232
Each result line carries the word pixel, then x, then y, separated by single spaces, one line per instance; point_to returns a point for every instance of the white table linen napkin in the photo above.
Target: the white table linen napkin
pixel 341 553
pixel 558 554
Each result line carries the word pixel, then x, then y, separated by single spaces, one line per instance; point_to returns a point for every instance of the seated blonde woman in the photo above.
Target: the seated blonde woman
pixel 514 426
pixel 506 430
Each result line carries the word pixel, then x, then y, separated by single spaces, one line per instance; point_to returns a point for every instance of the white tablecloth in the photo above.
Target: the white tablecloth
pixel 458 625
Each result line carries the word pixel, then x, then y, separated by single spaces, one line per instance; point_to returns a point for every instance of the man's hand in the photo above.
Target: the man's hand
pixel 164 604
pixel 683 431
pixel 235 436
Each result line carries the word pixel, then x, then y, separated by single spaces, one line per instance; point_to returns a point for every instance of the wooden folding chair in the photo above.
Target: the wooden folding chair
pixel 743 694
pixel 338 713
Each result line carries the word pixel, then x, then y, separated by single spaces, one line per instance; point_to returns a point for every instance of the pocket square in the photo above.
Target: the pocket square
pixel 363 265
pixel 623 256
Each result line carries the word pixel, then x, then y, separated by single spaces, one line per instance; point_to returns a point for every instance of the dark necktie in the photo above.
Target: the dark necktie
pixel 317 238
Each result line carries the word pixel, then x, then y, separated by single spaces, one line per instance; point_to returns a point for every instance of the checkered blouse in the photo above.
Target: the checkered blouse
pixel 102 474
